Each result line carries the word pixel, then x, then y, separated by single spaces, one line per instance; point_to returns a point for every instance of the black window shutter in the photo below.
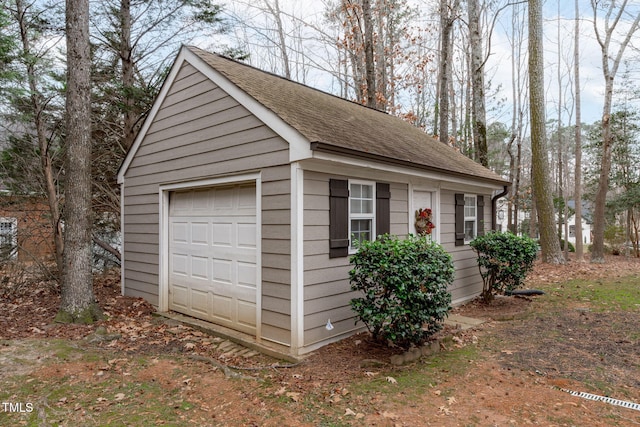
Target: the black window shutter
pixel 383 209
pixel 338 218
pixel 459 219
pixel 480 214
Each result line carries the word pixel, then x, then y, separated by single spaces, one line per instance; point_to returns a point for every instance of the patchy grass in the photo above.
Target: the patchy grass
pixel 619 294
pixel 84 388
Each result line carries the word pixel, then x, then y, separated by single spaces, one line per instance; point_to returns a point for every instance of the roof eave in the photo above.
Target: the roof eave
pixel 334 149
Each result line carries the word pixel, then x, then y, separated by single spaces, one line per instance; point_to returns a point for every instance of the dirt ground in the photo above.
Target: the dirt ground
pixel 525 365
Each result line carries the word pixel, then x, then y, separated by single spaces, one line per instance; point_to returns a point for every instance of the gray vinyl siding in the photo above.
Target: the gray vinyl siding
pixel 200 132
pixel 276 254
pixel 327 291
pixel 399 207
pixel 467 283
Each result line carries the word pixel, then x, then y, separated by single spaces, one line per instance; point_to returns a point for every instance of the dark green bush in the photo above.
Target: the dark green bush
pixel 504 260
pixel 404 285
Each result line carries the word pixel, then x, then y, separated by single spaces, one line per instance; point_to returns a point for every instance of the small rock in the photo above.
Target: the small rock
pixel 430 348
pixel 415 353
pixel 397 359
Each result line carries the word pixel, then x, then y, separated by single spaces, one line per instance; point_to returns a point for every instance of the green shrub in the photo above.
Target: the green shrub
pixel 404 285
pixel 504 260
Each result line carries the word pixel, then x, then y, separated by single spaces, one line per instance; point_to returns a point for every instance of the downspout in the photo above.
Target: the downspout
pixel 494 202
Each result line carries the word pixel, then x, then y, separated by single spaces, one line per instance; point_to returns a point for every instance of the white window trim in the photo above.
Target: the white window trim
pixel 471 218
pixel 14 234
pixel 371 216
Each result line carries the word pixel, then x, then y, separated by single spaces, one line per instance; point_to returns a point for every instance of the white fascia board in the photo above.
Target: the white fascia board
pixel 367 168
pixel 299 146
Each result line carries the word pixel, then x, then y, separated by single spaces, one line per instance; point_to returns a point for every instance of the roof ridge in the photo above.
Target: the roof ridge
pixel 271 73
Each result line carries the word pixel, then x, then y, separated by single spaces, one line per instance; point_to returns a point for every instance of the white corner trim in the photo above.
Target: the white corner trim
pixel 297 257
pixel 258 180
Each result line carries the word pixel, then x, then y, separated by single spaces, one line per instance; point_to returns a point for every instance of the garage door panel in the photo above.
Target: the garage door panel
pixel 200 267
pixel 179 263
pixel 246 233
pixel 246 314
pixel 222 271
pixel 246 197
pixel 223 198
pixel 222 233
pixel 180 296
pixel 200 302
pixel 213 255
pixel 200 201
pixel 181 202
pixel 246 274
pixel 200 233
pixel 222 307
pixel 180 232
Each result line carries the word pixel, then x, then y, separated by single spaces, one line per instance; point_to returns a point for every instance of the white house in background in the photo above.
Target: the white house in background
pixel 586 223
pixel 502 218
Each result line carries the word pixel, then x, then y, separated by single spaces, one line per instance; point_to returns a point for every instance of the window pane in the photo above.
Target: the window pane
pixel 356 190
pixel 356 206
pixel 367 206
pixel 469 206
pixel 360 230
pixel 469 230
pixel 367 191
pixel 361 196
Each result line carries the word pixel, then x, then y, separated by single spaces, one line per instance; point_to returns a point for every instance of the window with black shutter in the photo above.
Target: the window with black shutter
pixel 469 211
pixel 338 218
pixel 359 210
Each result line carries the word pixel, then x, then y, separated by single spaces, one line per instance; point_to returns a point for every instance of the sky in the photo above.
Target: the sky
pixel 498 68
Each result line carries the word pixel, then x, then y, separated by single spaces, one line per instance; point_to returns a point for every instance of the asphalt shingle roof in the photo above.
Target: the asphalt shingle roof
pixel 334 124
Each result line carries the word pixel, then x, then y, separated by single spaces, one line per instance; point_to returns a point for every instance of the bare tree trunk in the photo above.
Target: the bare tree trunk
pixel 562 219
pixel 578 140
pixel 46 160
pixel 369 64
pixel 444 74
pixel 533 218
pixel 551 252
pixel 78 304
pixel 274 9
pixel 516 121
pixel 609 70
pixel 128 79
pixel 382 79
pixel 477 81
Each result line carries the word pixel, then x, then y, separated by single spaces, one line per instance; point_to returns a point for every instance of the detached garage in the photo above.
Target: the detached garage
pixel 244 192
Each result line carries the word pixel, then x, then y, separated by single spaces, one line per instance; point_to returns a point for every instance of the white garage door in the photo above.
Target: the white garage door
pixel 212 255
